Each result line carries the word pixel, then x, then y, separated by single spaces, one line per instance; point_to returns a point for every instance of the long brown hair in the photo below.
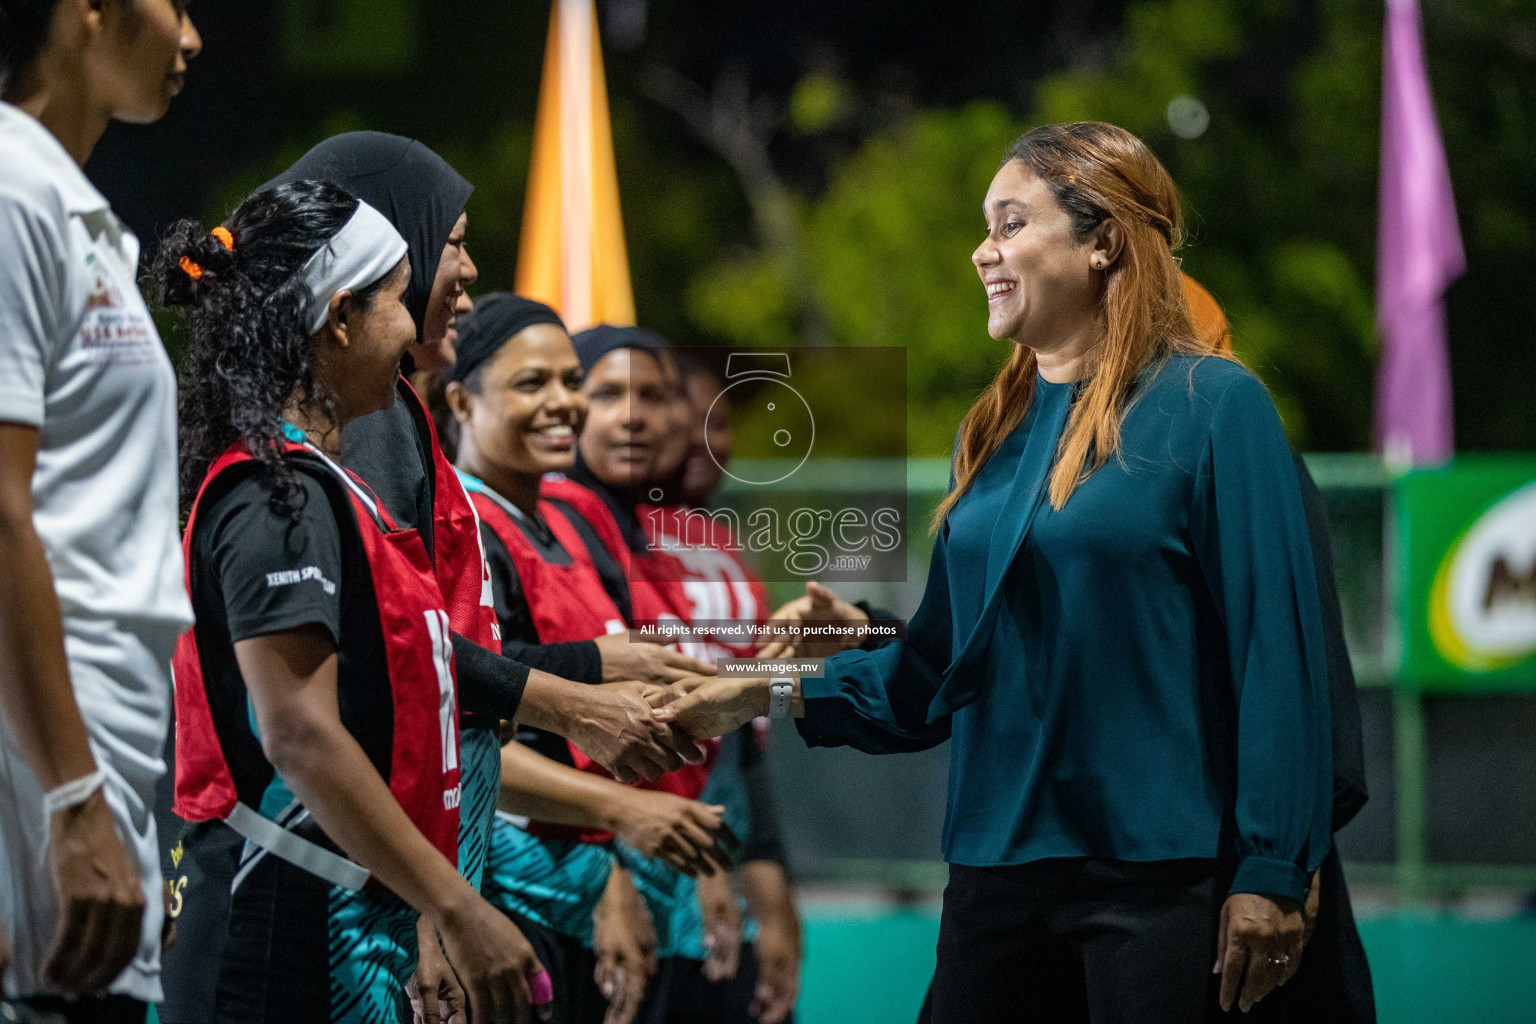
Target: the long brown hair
pixel 1096 172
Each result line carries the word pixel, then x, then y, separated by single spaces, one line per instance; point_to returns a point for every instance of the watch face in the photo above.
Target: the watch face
pixel 783 430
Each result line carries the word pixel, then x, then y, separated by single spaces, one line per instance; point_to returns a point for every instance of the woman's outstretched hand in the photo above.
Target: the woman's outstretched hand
pixel 611 727
pixel 706 707
pixel 661 696
pixel 1258 948
pixel 648 662
pixel 819 604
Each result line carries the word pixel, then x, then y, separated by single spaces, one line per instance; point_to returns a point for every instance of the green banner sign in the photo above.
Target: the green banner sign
pixel 1465 556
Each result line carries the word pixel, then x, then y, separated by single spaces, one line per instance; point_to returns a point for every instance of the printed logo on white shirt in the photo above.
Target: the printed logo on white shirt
pixel 113 332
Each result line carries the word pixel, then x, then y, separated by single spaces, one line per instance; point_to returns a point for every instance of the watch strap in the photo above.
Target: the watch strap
pixel 780 690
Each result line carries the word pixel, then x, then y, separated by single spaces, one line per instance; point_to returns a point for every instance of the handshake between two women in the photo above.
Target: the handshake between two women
pixel 703 706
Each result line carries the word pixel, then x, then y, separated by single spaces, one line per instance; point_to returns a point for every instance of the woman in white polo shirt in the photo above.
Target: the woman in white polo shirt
pixel 91 599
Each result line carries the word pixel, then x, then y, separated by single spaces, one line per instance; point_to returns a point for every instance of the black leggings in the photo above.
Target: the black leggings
pixel 1082 940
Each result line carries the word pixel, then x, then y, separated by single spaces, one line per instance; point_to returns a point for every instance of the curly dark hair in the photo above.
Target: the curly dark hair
pixel 251 348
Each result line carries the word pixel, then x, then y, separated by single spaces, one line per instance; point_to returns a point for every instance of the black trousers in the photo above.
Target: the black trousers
pixel 1107 941
pixel 90 1010
pixel 1079 940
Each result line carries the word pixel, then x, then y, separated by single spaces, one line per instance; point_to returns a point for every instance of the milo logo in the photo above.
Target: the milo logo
pixel 1482 604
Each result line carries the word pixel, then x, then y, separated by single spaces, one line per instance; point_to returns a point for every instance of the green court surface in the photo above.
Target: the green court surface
pixel 868 964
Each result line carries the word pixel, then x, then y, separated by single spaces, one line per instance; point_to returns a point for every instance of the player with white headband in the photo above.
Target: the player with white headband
pixel 317 753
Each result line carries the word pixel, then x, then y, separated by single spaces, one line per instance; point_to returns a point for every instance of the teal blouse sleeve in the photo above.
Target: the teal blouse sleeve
pixel 1249 533
pixel 877 701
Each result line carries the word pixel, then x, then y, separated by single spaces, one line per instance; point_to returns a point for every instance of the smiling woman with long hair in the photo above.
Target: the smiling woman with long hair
pixel 1121 632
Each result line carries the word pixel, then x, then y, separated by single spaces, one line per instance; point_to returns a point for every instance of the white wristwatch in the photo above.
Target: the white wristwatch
pixel 780 690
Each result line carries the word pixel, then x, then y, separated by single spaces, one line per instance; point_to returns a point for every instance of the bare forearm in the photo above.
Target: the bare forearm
pixel 536 787
pixel 621 882
pixel 770 897
pixel 35 691
pixel 334 779
pixel 547 702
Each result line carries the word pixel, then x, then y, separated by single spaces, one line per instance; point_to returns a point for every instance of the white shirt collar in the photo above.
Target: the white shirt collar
pixel 79 195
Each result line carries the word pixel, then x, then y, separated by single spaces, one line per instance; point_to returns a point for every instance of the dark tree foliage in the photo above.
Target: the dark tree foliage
pixel 885 119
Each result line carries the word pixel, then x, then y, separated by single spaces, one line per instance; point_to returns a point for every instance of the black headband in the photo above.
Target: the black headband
pixel 497 319
pixel 595 342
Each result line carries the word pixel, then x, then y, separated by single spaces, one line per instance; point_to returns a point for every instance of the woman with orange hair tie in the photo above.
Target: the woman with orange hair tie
pixel 1121 633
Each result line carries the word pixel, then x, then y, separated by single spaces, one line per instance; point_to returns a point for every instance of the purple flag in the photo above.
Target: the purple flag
pixel 1418 254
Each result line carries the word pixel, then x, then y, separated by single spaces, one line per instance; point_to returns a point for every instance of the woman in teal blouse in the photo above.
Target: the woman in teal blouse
pixel 1121 633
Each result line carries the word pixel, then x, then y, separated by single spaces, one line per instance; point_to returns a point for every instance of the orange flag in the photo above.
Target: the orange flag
pixel 572 254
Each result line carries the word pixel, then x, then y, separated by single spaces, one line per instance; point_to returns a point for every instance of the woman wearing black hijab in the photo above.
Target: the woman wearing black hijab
pixel 425 199
pixel 396 452
pixel 619 485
